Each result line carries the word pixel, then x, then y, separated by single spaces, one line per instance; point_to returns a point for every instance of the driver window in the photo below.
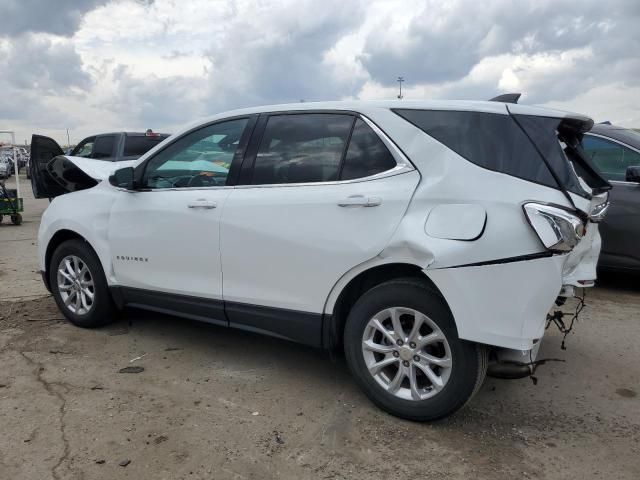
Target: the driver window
pixel 199 159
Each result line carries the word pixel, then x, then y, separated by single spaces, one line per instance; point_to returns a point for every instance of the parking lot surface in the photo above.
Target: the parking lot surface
pixel 210 402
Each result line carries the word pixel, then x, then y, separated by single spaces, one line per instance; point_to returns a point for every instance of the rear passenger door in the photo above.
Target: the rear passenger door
pixel 318 194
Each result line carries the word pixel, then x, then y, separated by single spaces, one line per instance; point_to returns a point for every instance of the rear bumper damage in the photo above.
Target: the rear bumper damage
pixel 504 304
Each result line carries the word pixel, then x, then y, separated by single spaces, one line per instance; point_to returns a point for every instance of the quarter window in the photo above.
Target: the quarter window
pixel 199 159
pixel 611 158
pixel 301 148
pixel 492 141
pixel 367 154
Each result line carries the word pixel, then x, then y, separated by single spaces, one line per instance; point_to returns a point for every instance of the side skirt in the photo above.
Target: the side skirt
pixel 301 327
pixel 293 325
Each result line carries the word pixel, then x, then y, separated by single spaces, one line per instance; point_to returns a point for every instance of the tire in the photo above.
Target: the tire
pixel 460 369
pixel 95 313
pixel 16 219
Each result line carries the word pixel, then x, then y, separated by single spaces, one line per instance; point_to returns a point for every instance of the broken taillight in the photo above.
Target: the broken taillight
pixel 559 230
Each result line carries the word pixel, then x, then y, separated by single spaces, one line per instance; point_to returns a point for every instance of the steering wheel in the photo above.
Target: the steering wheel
pixel 202 179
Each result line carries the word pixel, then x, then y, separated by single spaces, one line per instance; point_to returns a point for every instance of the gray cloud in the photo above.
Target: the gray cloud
pixel 273 57
pixel 155 102
pixel 276 51
pixel 279 58
pixel 59 17
pixel 443 43
pixel 39 64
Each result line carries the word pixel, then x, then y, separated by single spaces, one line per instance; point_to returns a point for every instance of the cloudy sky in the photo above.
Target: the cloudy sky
pixel 99 65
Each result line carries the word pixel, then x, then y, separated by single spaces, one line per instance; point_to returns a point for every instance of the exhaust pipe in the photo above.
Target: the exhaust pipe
pixel 509 370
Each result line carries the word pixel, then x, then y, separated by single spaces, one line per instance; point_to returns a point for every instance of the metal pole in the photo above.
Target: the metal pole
pixel 400 80
pixel 68 141
pixel 15 164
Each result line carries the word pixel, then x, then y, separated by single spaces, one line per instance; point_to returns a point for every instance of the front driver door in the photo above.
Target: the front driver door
pixel 164 237
pixel 620 228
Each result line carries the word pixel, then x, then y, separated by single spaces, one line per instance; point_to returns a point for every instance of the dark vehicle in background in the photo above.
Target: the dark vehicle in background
pixel 110 147
pixel 119 146
pixel 616 152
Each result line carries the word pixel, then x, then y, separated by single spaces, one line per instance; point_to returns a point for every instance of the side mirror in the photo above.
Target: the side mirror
pixel 633 174
pixel 122 178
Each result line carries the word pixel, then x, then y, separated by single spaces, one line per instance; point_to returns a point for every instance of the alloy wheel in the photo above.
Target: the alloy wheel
pixel 75 284
pixel 407 353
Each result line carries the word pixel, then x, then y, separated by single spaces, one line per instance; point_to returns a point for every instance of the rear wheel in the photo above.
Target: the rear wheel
pixel 79 285
pixel 402 346
pixel 16 219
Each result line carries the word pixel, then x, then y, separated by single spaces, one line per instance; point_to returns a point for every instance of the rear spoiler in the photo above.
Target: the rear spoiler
pixel 507 98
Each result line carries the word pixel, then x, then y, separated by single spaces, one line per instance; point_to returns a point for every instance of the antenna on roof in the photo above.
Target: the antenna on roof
pixel 507 98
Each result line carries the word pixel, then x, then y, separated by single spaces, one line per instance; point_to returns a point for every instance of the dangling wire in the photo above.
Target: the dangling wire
pixel 557 319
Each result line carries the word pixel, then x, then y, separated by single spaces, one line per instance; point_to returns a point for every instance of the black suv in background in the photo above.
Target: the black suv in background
pixel 118 146
pixel 110 147
pixel 615 151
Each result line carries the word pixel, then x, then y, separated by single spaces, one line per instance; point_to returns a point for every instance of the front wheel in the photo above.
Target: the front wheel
pixel 79 285
pixel 403 349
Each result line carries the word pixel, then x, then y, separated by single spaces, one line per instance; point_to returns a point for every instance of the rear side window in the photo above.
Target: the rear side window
pixel 103 147
pixel 137 145
pixel 489 140
pixel 301 148
pixel 367 154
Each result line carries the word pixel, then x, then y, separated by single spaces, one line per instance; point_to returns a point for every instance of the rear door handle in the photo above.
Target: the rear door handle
pixel 202 203
pixel 360 201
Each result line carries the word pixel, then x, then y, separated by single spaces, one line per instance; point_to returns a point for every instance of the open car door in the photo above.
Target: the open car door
pixel 43 149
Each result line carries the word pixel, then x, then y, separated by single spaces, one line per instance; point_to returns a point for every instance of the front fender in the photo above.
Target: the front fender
pixel 85 213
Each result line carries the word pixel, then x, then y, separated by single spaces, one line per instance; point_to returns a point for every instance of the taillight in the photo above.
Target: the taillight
pixel 599 207
pixel 558 229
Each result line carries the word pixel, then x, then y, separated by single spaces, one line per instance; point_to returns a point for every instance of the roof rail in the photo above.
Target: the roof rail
pixel 507 98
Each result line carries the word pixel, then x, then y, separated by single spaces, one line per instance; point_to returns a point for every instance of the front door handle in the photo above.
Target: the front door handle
pixel 202 203
pixel 360 201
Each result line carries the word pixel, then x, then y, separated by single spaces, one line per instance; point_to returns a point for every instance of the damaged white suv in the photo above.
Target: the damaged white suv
pixel 425 238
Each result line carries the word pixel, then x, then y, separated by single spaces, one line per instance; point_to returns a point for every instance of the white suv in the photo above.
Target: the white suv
pixel 424 238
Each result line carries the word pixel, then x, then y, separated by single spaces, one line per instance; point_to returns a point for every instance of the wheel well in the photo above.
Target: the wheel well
pixel 58 238
pixel 333 330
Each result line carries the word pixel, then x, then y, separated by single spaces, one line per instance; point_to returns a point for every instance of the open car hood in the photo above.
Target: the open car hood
pixel 79 173
pixel 96 169
pixel 70 174
pixel 53 173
